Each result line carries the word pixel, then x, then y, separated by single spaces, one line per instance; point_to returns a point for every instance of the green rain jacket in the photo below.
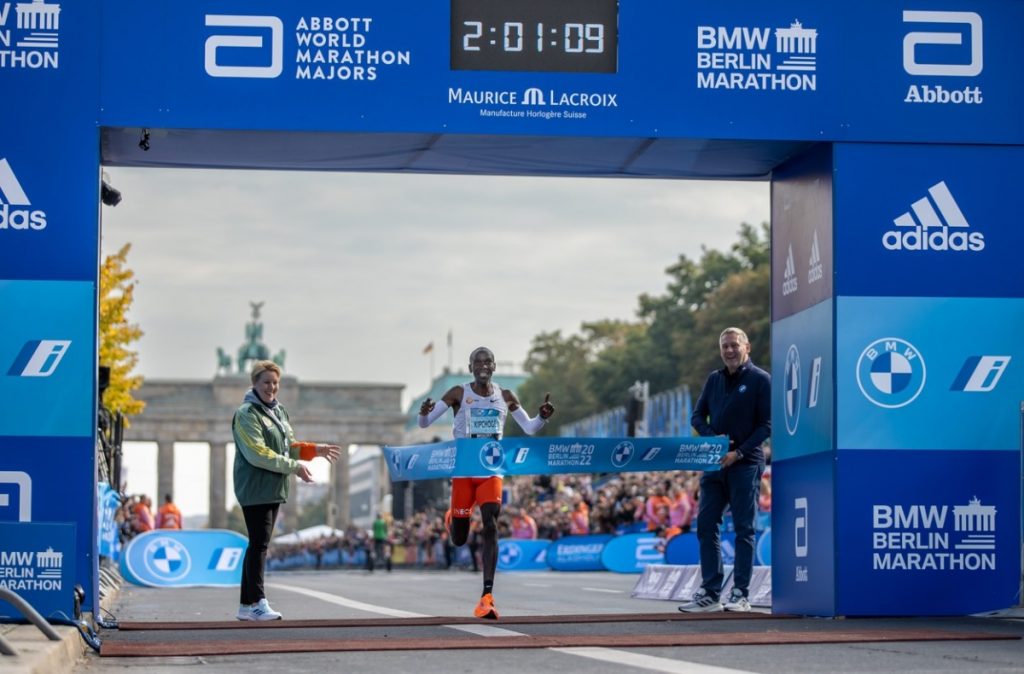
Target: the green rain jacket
pixel 263 458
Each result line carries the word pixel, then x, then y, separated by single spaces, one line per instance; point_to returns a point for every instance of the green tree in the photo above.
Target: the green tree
pixel 116 293
pixel 557 365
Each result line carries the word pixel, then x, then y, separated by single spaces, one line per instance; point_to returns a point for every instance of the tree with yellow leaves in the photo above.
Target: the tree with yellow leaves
pixel 116 333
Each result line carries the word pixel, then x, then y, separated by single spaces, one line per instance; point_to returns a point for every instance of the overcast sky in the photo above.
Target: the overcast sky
pixel 359 272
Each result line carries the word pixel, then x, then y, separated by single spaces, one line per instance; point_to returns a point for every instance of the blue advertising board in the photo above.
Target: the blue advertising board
pixel 904 363
pixel 784 70
pixel 578 553
pixel 47 358
pixel 803 412
pixel 630 553
pixel 926 221
pixel 682 549
pixel 935 536
pixel 37 562
pixel 523 554
pixel 475 457
pixel 803 535
pixel 185 558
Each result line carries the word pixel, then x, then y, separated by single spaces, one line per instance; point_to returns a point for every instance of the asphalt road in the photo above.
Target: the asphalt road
pixel 358 594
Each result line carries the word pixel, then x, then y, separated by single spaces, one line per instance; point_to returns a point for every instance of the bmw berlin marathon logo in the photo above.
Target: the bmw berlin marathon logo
pixel 167 559
pixel 492 456
pixel 622 454
pixel 891 372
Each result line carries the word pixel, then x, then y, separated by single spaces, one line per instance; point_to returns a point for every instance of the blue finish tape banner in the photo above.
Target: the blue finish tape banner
pixel 578 553
pixel 183 558
pixel 523 554
pixel 481 457
pixel 37 561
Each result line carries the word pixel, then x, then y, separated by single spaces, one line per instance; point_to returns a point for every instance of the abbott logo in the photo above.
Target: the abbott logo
pixel 948 37
pixel 23 483
pixel 39 358
pixel 214 67
pixel 14 195
pixel 928 231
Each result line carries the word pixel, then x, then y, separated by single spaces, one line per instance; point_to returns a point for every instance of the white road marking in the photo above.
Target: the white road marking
pixel 487 631
pixel 537 584
pixel 642 661
pixel 605 654
pixel 348 603
pixel 601 589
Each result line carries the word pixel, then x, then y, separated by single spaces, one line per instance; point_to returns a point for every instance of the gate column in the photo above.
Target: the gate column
pixel 218 516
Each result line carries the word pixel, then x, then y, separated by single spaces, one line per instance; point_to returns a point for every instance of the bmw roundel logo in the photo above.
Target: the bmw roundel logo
pixel 791 389
pixel 492 456
pixel 509 554
pixel 166 559
pixel 622 453
pixel 891 372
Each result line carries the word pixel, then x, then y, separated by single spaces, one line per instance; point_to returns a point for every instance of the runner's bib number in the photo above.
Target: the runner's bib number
pixel 484 422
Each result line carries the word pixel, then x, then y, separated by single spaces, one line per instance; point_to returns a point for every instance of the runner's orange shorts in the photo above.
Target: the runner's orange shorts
pixel 470 491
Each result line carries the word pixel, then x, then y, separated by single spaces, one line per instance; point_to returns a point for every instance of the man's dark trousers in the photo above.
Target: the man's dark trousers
pixel 739 487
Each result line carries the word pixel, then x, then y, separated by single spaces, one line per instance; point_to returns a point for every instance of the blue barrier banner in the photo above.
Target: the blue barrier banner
pixel 37 561
pixel 108 501
pixel 632 552
pixel 523 554
pixel 481 457
pixel 682 550
pixel 578 553
pixel 184 558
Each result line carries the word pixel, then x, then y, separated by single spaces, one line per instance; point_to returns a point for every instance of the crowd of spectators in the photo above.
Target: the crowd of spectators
pixel 544 507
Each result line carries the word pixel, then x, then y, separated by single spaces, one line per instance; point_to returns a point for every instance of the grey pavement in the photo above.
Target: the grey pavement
pixel 358 594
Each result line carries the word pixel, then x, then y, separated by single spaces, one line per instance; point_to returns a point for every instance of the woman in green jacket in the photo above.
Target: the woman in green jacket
pixel 266 454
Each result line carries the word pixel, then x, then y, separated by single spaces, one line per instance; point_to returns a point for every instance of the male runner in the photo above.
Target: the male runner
pixel 480 409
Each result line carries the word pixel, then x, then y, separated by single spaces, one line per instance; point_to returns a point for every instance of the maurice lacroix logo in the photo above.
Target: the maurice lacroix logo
pixel 934 224
pixel 891 372
pixel 746 57
pixel 15 206
pixel 952 48
pixel 325 48
pixel 514 103
pixel 33 43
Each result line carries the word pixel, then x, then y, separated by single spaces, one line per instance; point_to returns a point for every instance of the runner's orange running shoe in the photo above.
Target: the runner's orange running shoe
pixel 485 608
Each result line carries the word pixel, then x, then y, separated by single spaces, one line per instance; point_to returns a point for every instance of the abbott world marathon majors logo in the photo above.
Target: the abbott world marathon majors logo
pixel 326 48
pixel 166 559
pixel 533 102
pixel 16 210
pixel 891 372
pixel 31 40
pixel 934 222
pixel 758 58
pixel 934 537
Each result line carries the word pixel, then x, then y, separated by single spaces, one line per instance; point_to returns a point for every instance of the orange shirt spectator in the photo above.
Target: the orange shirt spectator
pixel 653 509
pixel 523 526
pixel 579 519
pixel 169 516
pixel 143 520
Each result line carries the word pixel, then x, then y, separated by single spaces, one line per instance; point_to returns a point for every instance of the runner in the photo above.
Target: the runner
pixel 480 408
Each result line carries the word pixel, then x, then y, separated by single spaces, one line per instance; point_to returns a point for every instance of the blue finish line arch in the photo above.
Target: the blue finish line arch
pixel 892 136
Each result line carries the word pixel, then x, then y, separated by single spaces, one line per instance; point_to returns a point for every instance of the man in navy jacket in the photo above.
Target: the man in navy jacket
pixel 736 402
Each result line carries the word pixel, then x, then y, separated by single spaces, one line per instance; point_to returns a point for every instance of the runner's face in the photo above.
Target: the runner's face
pixel 482 366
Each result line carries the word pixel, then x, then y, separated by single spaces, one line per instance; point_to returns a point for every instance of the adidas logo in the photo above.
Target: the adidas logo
pixel 789 283
pixel 814 270
pixel 13 195
pixel 928 231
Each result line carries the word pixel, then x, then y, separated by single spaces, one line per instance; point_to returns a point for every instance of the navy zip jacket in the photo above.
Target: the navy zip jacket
pixel 737 405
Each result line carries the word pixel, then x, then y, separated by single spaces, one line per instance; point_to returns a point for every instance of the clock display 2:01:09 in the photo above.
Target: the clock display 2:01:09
pixel 564 36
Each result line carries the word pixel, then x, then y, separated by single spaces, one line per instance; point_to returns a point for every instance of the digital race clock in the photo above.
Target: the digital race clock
pixel 579 36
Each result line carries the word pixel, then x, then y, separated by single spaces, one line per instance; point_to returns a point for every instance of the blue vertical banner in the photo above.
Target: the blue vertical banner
pixel 37 562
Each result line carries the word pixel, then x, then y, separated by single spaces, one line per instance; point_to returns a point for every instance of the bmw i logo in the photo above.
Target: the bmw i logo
pixel 622 453
pixel 167 559
pixel 891 372
pixel 791 389
pixel 492 456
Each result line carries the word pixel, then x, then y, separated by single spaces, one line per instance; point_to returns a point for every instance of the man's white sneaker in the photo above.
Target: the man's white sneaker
pixel 261 611
pixel 244 612
pixel 737 602
pixel 701 603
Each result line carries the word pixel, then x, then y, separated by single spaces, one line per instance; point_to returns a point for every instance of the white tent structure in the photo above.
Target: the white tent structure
pixel 307 534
